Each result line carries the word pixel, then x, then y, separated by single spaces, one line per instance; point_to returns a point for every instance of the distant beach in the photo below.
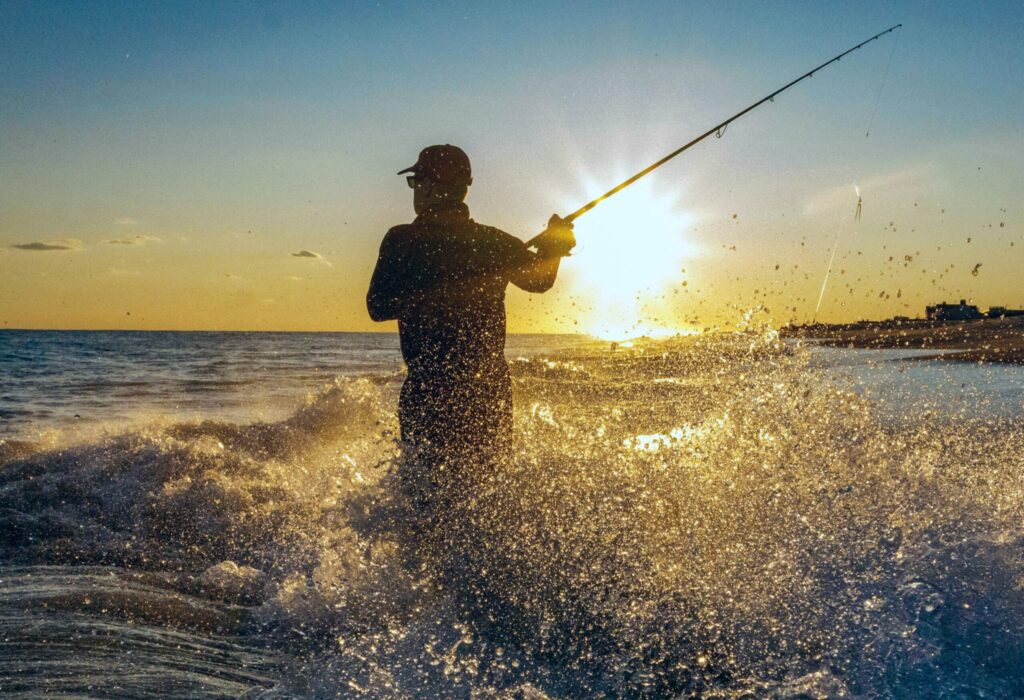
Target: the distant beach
pixel 982 340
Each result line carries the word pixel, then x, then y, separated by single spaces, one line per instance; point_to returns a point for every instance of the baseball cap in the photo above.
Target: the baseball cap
pixel 444 164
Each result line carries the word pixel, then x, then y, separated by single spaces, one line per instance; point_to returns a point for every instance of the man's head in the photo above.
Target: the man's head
pixel 441 174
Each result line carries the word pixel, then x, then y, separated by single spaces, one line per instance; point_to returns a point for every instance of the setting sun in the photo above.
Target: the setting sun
pixel 633 252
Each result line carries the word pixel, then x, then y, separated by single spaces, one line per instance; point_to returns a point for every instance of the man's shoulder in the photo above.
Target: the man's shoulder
pixel 399 235
pixel 496 235
pixel 401 230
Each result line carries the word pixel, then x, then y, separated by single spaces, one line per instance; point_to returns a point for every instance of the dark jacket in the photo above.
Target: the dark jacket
pixel 444 277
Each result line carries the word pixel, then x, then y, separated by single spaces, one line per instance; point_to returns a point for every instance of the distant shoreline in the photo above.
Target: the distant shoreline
pixel 984 340
pixel 242 332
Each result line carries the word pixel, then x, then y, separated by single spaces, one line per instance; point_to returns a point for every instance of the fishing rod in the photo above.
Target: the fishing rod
pixel 718 129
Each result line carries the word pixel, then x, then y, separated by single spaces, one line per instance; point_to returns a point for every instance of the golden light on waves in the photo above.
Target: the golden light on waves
pixel 630 263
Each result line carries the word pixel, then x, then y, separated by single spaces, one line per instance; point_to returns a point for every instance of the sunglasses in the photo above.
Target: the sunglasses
pixel 411 180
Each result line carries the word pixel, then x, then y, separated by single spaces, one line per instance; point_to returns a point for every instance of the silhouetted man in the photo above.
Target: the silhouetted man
pixel 443 277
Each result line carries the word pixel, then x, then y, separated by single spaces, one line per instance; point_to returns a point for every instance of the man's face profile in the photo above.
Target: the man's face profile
pixel 421 194
pixel 427 193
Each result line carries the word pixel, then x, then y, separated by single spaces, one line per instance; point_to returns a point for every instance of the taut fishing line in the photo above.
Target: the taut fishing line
pixel 857 212
pixel 881 86
pixel 718 130
pixel 832 259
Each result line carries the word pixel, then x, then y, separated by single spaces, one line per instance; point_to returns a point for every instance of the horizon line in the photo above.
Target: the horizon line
pixel 209 330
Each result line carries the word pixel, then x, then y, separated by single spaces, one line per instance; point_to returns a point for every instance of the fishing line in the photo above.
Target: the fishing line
pixel 718 130
pixel 857 211
pixel 881 87
pixel 828 271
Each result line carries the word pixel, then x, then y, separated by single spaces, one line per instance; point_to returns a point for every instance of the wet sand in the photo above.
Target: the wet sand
pixel 985 340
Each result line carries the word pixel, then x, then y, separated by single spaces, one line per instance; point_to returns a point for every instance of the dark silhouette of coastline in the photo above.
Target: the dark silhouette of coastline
pixel 998 338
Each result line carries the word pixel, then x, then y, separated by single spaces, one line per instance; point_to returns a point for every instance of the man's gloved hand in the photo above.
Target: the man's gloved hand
pixel 557 239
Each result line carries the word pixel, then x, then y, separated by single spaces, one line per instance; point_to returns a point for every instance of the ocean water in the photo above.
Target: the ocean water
pixel 219 515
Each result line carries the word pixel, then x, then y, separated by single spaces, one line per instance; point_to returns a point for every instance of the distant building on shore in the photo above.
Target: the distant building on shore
pixel 953 312
pixel 1003 312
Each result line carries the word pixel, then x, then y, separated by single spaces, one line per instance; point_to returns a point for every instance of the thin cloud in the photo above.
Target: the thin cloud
pixel 62 244
pixel 295 278
pixel 124 273
pixel 310 255
pixel 134 240
pixel 126 221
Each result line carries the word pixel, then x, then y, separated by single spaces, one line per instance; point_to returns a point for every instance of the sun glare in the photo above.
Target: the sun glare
pixel 631 258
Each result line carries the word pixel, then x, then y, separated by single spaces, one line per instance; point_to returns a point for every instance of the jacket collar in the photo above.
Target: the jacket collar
pixel 448 213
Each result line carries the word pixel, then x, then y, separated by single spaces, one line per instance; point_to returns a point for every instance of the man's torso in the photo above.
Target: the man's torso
pixel 460 269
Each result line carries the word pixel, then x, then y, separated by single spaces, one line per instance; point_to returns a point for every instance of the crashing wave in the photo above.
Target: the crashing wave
pixel 750 528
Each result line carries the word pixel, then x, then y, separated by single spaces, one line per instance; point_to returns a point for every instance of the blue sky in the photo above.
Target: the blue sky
pixel 284 123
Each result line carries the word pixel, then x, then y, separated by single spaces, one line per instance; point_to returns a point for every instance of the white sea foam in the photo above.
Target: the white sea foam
pixel 753 528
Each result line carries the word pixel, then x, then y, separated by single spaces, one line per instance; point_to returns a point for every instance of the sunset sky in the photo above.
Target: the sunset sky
pixel 232 165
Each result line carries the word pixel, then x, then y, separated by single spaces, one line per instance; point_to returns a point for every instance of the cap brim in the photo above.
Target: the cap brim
pixel 410 169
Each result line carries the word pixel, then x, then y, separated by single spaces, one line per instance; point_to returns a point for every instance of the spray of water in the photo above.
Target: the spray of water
pixel 710 517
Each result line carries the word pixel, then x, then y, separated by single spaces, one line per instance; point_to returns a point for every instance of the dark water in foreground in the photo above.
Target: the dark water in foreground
pixel 719 517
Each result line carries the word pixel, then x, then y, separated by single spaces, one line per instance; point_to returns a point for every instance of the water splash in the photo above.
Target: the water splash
pixel 709 515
